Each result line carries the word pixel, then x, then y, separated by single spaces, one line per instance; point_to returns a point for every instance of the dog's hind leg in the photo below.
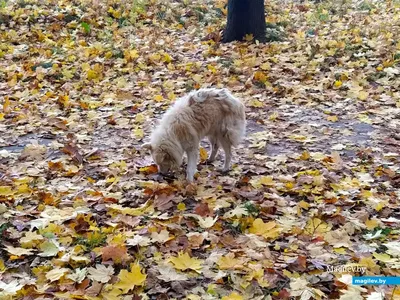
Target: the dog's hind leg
pixel 191 167
pixel 214 149
pixel 226 145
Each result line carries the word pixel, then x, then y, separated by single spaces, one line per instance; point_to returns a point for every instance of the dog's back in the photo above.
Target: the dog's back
pixel 225 113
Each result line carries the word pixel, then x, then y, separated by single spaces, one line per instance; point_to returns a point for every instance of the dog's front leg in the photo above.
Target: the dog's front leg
pixel 192 155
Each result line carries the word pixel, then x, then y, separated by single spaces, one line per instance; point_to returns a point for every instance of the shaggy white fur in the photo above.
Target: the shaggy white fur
pixel 214 113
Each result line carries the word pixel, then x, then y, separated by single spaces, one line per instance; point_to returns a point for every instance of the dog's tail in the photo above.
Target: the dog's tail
pixel 235 124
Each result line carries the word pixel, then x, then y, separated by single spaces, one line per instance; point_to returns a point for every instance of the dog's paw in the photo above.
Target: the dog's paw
pixel 210 161
pixel 224 171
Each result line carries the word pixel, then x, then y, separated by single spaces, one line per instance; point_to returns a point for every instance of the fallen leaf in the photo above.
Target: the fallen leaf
pixel 184 262
pixel 269 230
pixel 128 280
pixel 56 274
pixel 101 273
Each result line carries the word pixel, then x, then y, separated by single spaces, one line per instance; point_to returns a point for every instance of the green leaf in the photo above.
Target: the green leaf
pixel 86 27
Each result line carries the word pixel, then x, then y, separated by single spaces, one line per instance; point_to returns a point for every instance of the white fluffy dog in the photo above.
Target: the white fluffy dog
pixel 214 113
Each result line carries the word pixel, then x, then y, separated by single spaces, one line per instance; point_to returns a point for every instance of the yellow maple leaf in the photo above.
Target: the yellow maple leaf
pixel 340 250
pixel 233 296
pixel 108 54
pixel 262 181
pixel 268 230
pixel 203 154
pixel 362 95
pixel 230 262
pixel 140 118
pixel 332 118
pixel 128 280
pixel 273 116
pixel 92 74
pixel 260 76
pixel 303 204
pixel 6 190
pixel 18 251
pixel 193 297
pixel 56 273
pixel 167 58
pixel 138 211
pixel 171 96
pixel 133 54
pixel 2 266
pixel 248 37
pixel 364 118
pixel 212 68
pixel 181 206
pixel 138 132
pixel 305 155
pixel 23 189
pixel 383 257
pixel 338 84
pixel 158 98
pixel 256 103
pixel 6 105
pixel 369 263
pixel 265 66
pixel 184 262
pixel 371 224
pixel 111 293
pixel 316 225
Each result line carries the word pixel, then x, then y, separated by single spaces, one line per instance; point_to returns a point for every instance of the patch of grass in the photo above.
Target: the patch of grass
pixel 86 27
pixel 226 63
pixel 282 23
pixel 122 22
pixel 71 17
pixel 3 228
pixel 366 6
pixel 322 15
pixel 385 231
pixel 22 3
pixel 235 229
pixel 251 208
pixel 274 33
pixel 45 65
pixel 271 25
pixel 92 240
pixel 118 53
pixel 139 7
pixel 200 13
pixel 161 15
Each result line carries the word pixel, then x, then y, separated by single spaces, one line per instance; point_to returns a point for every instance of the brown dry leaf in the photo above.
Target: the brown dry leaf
pixel 73 151
pixel 203 210
pixel 118 254
pixel 163 202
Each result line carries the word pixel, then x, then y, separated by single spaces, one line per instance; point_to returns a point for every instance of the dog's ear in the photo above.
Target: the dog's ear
pixel 191 100
pixel 146 146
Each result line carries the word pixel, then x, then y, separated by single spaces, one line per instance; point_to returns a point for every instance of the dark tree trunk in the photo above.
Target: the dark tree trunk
pixel 245 17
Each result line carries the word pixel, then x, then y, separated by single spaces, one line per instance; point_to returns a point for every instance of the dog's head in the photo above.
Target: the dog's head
pixel 163 157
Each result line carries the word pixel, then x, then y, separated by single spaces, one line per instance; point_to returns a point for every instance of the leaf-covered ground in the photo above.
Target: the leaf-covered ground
pixel 315 185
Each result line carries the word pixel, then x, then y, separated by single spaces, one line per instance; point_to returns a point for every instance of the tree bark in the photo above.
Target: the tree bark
pixel 245 17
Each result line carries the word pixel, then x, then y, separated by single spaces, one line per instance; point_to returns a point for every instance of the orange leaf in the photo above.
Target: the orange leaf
pixel 117 254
